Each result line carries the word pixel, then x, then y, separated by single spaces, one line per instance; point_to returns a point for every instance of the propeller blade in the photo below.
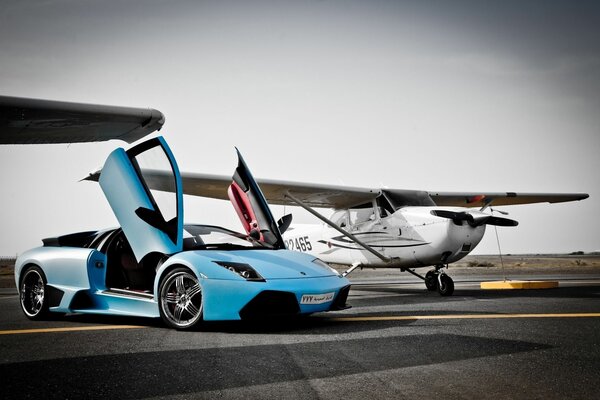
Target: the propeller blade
pixel 457 217
pixel 448 214
pixel 499 221
pixel 474 218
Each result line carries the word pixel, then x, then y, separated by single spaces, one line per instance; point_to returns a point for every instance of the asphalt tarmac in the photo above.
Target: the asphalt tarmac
pixel 398 341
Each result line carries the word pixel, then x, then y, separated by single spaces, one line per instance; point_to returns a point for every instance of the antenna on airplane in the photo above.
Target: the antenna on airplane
pixel 498 241
pixel 498 211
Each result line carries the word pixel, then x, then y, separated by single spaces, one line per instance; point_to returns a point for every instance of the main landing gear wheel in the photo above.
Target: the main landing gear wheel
pixel 180 299
pixel 431 280
pixel 446 285
pixel 32 294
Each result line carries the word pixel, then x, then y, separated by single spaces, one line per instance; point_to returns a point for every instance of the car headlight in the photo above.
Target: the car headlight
pixel 323 264
pixel 243 270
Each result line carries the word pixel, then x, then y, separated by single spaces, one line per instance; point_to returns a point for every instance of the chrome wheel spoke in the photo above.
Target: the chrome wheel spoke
pixel 178 312
pixel 192 309
pixel 180 285
pixel 194 290
pixel 172 298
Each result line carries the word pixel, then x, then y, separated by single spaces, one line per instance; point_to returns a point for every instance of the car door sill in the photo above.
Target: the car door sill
pixel 128 293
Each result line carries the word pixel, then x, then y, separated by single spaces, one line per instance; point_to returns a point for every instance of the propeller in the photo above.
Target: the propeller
pixel 474 218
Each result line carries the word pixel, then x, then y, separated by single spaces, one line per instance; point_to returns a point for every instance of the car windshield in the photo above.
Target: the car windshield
pixel 205 237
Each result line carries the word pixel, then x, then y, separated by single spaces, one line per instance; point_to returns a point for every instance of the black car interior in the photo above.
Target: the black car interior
pixel 123 271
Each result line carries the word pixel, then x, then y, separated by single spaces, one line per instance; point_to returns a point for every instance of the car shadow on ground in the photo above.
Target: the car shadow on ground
pixel 323 323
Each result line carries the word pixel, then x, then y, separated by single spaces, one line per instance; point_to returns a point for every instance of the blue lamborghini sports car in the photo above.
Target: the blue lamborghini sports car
pixel 155 266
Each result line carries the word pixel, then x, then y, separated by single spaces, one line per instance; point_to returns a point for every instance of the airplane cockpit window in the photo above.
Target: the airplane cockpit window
pixel 340 218
pixel 385 208
pixel 360 215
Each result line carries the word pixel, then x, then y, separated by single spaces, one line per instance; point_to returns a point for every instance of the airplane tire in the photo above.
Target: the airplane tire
pixel 431 281
pixel 447 286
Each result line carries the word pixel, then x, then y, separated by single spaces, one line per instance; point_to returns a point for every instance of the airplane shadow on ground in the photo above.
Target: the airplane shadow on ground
pixel 416 296
pixel 159 374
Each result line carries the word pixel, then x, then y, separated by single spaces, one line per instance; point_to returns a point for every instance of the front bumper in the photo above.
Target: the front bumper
pixel 234 300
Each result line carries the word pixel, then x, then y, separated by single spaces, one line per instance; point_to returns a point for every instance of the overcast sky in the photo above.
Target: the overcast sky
pixel 438 95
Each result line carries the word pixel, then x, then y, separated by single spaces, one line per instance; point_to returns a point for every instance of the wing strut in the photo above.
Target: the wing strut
pixel 337 228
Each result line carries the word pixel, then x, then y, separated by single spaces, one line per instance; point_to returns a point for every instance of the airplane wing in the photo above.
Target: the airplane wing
pixel 215 187
pixel 35 121
pixel 314 195
pixel 342 197
pixel 466 199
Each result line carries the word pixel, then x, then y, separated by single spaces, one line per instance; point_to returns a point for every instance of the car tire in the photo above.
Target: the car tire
pixel 32 293
pixel 180 299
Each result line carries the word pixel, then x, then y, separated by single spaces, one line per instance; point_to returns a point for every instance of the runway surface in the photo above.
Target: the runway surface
pixel 398 341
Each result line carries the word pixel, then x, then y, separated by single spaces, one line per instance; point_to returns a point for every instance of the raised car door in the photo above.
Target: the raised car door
pixel 152 220
pixel 252 207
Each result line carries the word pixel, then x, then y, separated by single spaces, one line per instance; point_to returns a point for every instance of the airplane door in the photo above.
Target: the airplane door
pixel 151 220
pixel 252 207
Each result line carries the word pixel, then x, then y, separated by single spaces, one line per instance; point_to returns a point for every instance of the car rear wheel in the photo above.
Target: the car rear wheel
pixel 33 293
pixel 180 299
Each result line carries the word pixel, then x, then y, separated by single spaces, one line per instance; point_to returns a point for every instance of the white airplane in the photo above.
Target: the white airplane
pixel 381 228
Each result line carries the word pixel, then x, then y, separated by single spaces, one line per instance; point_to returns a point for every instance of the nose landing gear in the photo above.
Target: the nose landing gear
pixel 438 280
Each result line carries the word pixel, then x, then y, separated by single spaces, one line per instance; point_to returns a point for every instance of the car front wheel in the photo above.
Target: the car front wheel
pixel 33 293
pixel 180 299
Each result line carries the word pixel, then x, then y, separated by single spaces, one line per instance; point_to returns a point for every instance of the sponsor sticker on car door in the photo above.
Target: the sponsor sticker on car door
pixel 317 298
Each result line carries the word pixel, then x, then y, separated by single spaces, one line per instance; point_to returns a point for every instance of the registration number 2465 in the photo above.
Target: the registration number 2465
pixel 299 244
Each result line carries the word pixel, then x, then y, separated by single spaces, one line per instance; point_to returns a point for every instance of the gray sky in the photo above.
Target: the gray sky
pixel 448 96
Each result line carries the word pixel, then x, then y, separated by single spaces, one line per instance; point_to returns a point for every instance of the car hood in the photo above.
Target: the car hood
pixel 271 264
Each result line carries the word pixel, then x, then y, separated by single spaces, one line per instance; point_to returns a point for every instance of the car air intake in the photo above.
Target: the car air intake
pixel 339 303
pixel 271 303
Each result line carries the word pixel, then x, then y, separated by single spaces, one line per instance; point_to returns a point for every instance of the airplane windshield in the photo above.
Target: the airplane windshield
pixel 206 237
pixel 340 218
pixel 358 216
